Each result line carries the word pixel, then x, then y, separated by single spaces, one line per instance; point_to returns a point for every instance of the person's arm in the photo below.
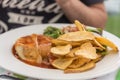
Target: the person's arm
pixel 94 15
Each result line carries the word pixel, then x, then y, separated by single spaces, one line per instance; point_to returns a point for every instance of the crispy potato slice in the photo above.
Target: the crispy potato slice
pixel 87 51
pixel 79 62
pixel 77 36
pixel 59 42
pixel 86 67
pixel 95 42
pixel 100 57
pixel 72 52
pixel 62 62
pixel 73 43
pixel 61 50
pixel 107 42
pixel 80 26
pixel 99 48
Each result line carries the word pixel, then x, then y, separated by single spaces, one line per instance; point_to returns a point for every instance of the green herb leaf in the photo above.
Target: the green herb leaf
pixel 52 32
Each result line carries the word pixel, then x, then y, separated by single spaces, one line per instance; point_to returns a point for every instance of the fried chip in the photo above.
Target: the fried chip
pixel 85 67
pixel 96 43
pixel 62 62
pixel 72 52
pixel 61 50
pixel 80 26
pixel 107 42
pixel 100 57
pixel 78 62
pixel 58 42
pixel 87 51
pixel 77 36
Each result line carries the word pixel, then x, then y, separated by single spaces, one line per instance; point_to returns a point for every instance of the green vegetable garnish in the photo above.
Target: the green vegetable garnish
pixel 52 32
pixel 104 52
pixel 95 30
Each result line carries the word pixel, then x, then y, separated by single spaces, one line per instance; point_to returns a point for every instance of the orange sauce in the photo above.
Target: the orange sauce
pixel 41 65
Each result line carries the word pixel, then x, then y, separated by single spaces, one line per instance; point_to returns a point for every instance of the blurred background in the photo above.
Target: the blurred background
pixel 113 23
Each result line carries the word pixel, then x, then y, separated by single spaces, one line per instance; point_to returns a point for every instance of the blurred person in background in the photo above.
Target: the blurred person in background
pixel 17 13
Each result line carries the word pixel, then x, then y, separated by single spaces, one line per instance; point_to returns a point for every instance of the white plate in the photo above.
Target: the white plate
pixel 109 64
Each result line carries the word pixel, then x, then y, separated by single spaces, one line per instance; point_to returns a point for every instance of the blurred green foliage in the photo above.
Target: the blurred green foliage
pixel 113 24
pixel 117 77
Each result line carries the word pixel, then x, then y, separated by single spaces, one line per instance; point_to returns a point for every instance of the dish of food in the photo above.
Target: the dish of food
pixel 15 40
